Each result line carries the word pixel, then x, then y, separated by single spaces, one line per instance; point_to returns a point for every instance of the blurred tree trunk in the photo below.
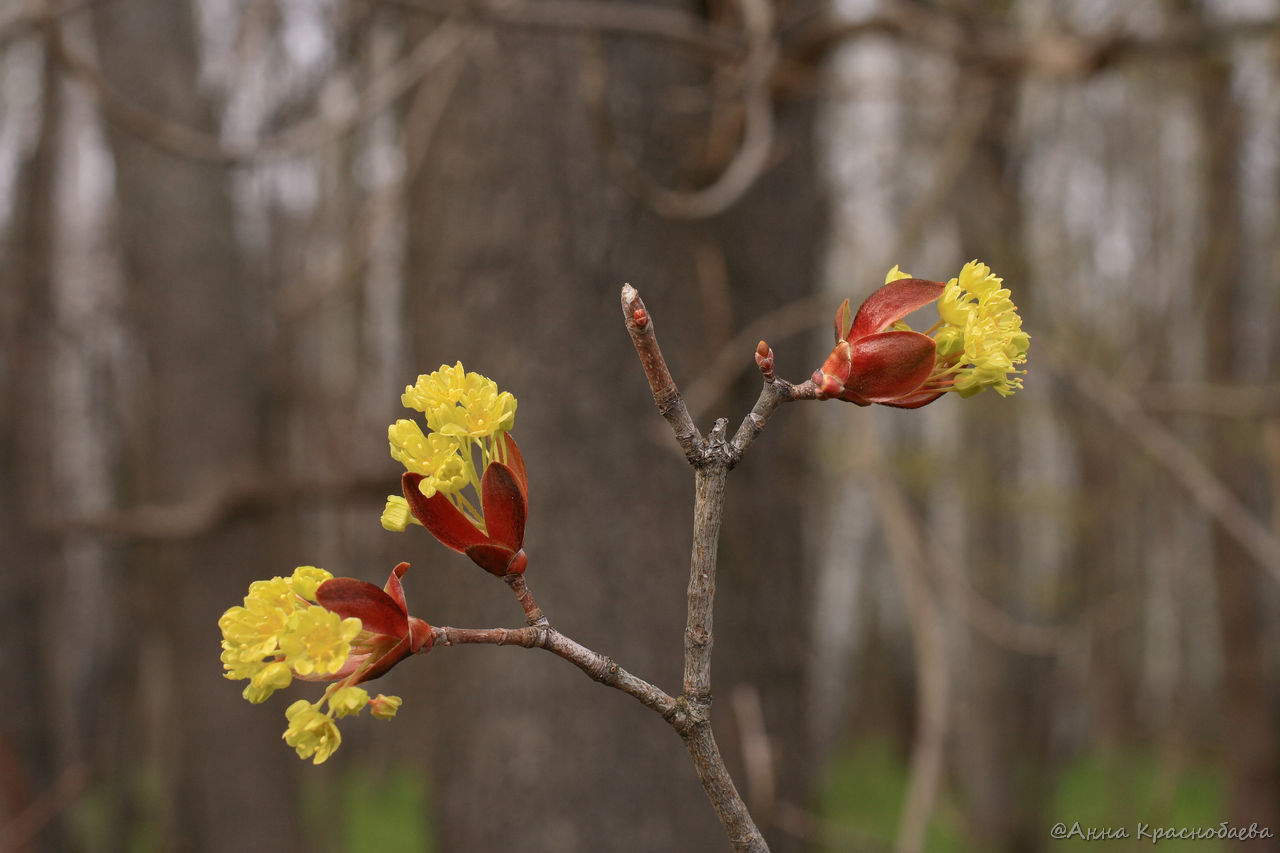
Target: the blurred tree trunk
pixel 193 764
pixel 30 758
pixel 1250 706
pixel 1003 706
pixel 521 240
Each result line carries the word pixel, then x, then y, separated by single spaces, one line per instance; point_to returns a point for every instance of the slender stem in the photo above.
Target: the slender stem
pixel 532 613
pixel 597 667
pixel 725 799
pixel 708 512
pixel 774 393
pixel 665 394
pixel 711 458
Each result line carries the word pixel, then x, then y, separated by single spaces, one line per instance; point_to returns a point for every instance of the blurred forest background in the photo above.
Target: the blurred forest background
pixel 231 232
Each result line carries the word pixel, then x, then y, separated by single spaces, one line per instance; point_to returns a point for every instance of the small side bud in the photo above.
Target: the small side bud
pixel 764 360
pixel 641 317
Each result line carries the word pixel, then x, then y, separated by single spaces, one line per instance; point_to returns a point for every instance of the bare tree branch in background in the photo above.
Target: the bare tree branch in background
pixel 996 48
pixel 23 20
pixel 933 670
pixel 1183 464
pixel 644 20
pixel 752 153
pixel 307 135
pixel 210 510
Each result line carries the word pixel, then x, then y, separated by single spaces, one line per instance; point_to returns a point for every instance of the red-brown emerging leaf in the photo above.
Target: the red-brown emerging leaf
pixel 491 558
pixel 504 506
pixel 441 518
pixel 891 303
pixel 516 463
pixel 376 610
pixel 394 587
pixel 889 365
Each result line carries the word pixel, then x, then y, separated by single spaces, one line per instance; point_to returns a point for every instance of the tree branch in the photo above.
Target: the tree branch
pixel 708 512
pixel 753 151
pixel 307 135
pixel 774 393
pixel 597 667
pixel 711 458
pixel 1188 470
pixel 666 396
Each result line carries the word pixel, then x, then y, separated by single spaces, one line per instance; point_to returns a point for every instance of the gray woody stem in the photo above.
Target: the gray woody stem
pixel 598 667
pixel 711 458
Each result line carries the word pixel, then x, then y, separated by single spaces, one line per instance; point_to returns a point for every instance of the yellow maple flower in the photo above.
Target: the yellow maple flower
pixel 467 419
pixel 397 516
pixel 980 337
pixel 312 733
pixel 384 707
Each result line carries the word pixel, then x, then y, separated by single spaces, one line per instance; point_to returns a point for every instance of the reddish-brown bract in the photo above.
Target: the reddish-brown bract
pixel 504 499
pixel 874 364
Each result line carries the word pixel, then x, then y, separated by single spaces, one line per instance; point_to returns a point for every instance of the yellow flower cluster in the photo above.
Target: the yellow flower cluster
pixel 981 333
pixel 979 337
pixel 281 632
pixel 467 417
pixel 314 734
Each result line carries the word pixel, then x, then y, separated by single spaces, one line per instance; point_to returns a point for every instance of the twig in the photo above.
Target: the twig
pixel 665 394
pixel 532 613
pixel 708 512
pixel 597 667
pixel 711 459
pixel 772 395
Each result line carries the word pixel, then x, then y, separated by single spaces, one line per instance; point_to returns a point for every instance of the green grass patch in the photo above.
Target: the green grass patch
pixel 371 811
pixel 861 799
pixel 1123 789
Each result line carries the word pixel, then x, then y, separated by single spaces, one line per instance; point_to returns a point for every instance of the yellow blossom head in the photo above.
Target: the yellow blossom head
pixel 311 626
pixel 312 733
pixel 467 420
pixel 438 458
pixel 274 617
pixel 318 641
pixel 976 344
pixel 460 403
pixel 980 339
